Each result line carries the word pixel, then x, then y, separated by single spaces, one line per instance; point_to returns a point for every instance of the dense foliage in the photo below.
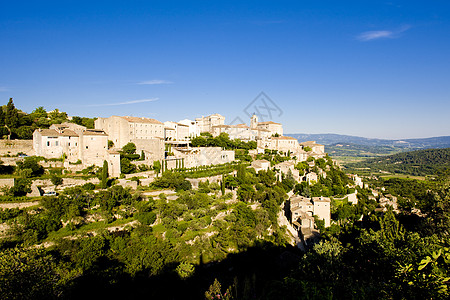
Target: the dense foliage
pixel 19 125
pixel 420 162
pixel 222 140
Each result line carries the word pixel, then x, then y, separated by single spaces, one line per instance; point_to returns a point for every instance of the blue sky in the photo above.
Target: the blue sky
pixel 367 68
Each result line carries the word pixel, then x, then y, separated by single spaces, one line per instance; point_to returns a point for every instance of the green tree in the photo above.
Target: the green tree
pixel 31 163
pixel 129 148
pixel 11 116
pixel 29 274
pixel 56 180
pixel 104 182
pixel 157 166
pixel 126 166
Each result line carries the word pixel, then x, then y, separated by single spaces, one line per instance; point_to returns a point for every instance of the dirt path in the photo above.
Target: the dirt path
pixel 18 205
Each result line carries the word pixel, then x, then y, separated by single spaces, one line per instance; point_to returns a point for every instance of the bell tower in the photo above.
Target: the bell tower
pixel 254 122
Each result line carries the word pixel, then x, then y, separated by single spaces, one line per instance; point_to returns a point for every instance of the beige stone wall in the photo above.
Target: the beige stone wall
pixel 113 160
pixel 116 128
pixel 93 149
pixel 153 149
pixel 6 182
pixel 56 146
pixel 322 209
pixel 13 147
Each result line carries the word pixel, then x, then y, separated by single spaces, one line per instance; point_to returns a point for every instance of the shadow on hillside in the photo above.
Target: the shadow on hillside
pixel 251 271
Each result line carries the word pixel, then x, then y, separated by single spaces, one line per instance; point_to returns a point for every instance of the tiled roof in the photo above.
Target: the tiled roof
pixel 283 138
pixel 310 143
pixel 94 132
pixel 141 120
pixel 268 122
pixel 68 132
pixel 53 132
pixel 48 132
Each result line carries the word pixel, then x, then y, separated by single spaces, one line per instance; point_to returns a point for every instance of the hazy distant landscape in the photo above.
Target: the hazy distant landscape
pixel 339 145
pixel 160 150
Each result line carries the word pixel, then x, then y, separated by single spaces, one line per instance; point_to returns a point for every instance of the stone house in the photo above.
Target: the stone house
pixel 261 164
pixel 206 124
pixel 301 207
pixel 288 166
pixel 315 148
pixel 181 131
pixel 123 130
pixel 90 146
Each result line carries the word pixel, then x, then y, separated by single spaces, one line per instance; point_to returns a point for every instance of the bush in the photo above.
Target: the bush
pixel 146 218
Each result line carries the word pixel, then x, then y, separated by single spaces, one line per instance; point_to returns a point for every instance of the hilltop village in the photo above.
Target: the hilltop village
pixel 131 207
pixel 191 145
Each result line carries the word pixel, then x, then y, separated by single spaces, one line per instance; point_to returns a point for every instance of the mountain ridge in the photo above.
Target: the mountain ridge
pixel 415 143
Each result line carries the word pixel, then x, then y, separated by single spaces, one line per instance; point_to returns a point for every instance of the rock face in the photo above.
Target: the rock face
pixel 14 147
pixel 35 191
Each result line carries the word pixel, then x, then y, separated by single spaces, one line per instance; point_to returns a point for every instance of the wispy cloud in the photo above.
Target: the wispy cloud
pixel 155 82
pixel 125 102
pixel 382 34
pixel 3 89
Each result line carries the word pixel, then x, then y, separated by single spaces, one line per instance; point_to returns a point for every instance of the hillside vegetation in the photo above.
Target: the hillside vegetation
pixel 420 162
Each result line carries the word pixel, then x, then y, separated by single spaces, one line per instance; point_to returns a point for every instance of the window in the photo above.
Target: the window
pixel 48 144
pixel 87 147
pixel 56 143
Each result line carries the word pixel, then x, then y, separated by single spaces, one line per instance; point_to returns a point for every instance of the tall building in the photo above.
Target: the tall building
pixel 206 124
pixel 122 130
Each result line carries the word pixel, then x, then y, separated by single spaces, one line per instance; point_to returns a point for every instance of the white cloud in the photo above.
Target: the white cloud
pixel 155 82
pixel 126 102
pixel 373 35
pixel 382 34
pixel 3 89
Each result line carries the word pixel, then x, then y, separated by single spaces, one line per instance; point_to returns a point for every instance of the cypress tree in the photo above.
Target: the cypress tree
pixel 222 185
pixel 105 175
pixel 12 116
pixel 2 117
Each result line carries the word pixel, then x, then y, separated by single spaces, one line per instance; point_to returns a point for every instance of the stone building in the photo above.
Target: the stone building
pixel 302 207
pixel 261 164
pixel 206 124
pixel 123 130
pixel 181 131
pixel 315 148
pixel 192 126
pixel 202 156
pixel 284 144
pixel 90 146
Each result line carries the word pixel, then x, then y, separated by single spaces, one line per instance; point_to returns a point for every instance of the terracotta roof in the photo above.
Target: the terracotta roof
pixel 48 132
pixel 321 199
pixel 261 161
pixel 168 128
pixel 113 152
pixel 268 122
pixel 283 138
pixel 221 126
pixel 240 126
pixel 141 120
pixel 310 143
pixel 94 132
pixel 286 163
pixel 68 132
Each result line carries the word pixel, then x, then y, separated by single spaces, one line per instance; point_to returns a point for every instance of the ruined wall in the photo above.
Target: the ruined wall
pixel 13 147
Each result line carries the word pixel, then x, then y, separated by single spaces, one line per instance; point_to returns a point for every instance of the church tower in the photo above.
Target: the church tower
pixel 254 122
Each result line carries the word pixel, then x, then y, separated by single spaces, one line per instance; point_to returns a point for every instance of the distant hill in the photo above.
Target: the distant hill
pixel 339 145
pixel 420 162
pixel 331 139
pixel 355 150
